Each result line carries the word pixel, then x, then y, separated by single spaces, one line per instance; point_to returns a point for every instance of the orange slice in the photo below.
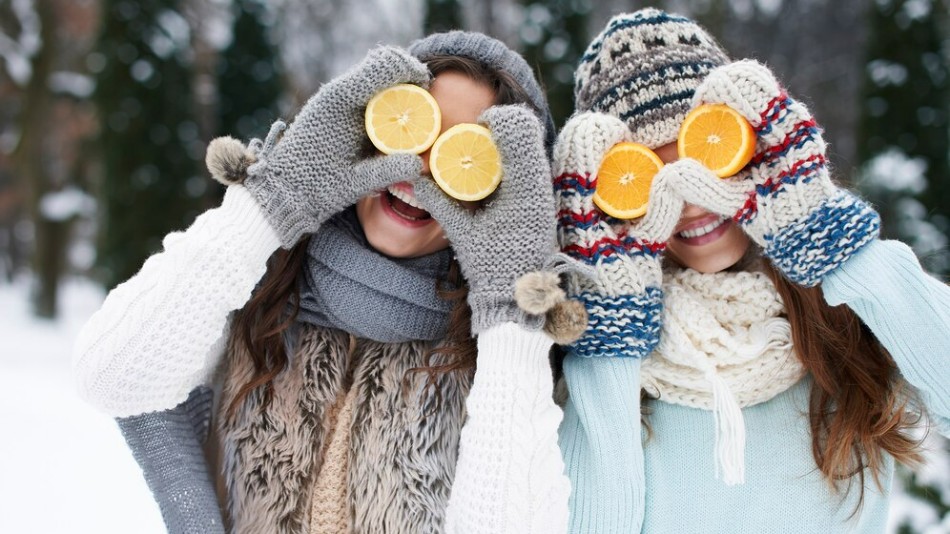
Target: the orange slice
pixel 624 179
pixel 465 162
pixel 718 137
pixel 403 119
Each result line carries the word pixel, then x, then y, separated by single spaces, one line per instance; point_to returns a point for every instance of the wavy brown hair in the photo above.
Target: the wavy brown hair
pixel 858 408
pixel 260 325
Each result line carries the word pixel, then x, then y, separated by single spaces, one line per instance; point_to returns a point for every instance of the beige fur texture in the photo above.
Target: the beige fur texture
pixel 227 160
pixel 537 292
pixel 403 447
pixel 566 322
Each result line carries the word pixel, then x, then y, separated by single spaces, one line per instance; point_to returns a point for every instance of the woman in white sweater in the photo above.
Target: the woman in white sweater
pixel 344 340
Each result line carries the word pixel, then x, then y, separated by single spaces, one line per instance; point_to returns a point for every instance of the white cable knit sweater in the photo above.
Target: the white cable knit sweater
pixel 162 333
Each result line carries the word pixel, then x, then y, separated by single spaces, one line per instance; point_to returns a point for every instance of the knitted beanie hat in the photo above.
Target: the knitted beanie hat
pixel 644 68
pixel 492 53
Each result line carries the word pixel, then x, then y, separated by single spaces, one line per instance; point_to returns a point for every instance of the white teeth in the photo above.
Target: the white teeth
pixel 405 197
pixel 703 230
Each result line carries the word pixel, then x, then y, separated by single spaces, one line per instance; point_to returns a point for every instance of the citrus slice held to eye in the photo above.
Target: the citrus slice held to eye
pixel 403 119
pixel 718 137
pixel 624 179
pixel 465 162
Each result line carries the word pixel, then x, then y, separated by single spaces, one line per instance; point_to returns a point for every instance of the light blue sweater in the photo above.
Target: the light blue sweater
pixel 669 485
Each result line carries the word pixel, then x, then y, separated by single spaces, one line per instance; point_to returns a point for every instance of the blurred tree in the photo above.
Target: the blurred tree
pixel 502 19
pixel 249 76
pixel 32 163
pixel 19 43
pixel 149 144
pixel 554 35
pixel 904 146
pixel 820 64
pixel 319 39
pixel 903 139
pixel 42 124
pixel 442 16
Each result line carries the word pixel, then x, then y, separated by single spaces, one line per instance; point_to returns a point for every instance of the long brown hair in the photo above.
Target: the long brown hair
pixel 859 402
pixel 260 325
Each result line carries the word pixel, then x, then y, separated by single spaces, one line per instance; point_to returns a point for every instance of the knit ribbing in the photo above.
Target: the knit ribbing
pixel 168 447
pixel 600 441
pixel 627 325
pixel 158 335
pixel 329 513
pixel 839 227
pixel 624 300
pixel 899 289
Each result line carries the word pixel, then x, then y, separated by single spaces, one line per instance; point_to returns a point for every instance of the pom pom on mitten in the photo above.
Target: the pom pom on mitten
pixel 228 159
pixel 566 322
pixel 539 291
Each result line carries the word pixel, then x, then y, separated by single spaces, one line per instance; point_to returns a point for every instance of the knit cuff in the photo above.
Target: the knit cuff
pixel 283 211
pixel 511 350
pixel 240 209
pixel 622 326
pixel 489 310
pixel 807 250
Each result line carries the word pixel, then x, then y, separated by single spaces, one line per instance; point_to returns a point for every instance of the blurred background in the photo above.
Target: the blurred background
pixel 107 107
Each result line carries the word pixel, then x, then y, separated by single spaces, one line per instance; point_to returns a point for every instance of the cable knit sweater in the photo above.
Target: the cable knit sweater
pixel 162 333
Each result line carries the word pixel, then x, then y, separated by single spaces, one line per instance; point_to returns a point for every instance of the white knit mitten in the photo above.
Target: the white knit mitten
pixel 784 199
pixel 624 300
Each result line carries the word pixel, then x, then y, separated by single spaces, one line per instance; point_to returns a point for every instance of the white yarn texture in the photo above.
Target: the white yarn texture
pixel 725 345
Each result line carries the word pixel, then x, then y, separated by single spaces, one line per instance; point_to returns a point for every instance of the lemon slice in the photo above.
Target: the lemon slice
pixel 465 162
pixel 624 179
pixel 403 119
pixel 718 137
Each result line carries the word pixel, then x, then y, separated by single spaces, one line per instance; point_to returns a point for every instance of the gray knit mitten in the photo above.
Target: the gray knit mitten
pixel 315 171
pixel 514 232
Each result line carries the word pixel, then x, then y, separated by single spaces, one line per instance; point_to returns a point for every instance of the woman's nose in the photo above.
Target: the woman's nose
pixel 692 210
pixel 425 162
pixel 667 153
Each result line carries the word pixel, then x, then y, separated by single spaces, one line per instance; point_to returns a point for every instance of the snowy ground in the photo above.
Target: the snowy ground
pixel 65 468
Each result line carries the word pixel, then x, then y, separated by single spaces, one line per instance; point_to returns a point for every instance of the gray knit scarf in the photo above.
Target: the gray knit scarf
pixel 345 284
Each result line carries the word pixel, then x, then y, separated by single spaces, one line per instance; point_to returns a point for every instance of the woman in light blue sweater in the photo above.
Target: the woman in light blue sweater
pixel 784 352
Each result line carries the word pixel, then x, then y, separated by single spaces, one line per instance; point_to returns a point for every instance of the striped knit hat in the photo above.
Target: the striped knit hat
pixel 644 68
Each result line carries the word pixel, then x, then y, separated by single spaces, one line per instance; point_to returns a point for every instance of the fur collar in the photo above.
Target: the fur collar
pixel 403 445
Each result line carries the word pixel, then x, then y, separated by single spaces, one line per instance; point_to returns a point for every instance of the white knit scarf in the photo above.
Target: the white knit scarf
pixel 725 345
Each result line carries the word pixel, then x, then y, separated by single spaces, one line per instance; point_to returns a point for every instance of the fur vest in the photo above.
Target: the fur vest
pixel 403 443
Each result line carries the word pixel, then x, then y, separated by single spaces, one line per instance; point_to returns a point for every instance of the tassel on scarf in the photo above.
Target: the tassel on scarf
pixel 730 431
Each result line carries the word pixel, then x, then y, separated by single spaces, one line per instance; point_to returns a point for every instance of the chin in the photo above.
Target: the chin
pixel 711 257
pixel 720 264
pixel 397 237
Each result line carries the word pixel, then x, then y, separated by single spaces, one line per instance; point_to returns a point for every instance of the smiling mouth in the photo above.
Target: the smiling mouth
pixel 704 233
pixel 401 205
